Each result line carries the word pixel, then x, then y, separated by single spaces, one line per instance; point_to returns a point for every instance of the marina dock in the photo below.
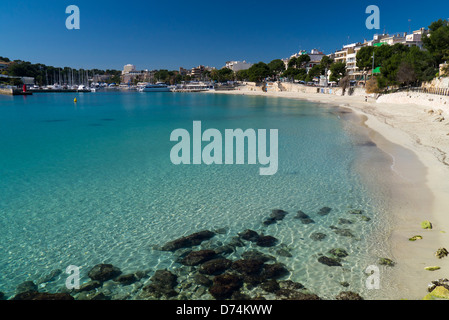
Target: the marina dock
pixel 14 92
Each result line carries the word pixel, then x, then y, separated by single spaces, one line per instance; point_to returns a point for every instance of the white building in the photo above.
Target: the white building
pixel 238 65
pixel 129 68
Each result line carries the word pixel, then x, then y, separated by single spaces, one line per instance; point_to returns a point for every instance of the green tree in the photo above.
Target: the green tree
pixel 302 60
pixel 326 62
pixel 291 63
pixel 258 72
pixel 364 59
pixel 338 71
pixel 276 67
pixel 436 40
pixel 242 75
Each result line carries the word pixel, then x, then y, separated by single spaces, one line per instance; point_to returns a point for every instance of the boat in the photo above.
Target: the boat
pixel 158 87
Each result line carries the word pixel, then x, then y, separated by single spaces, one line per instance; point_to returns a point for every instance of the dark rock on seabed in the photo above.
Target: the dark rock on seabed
pixel 126 279
pixel 162 284
pixel 188 241
pixel 104 272
pixel 215 266
pixel 331 262
pixel 26 286
pixel 278 214
pixel 318 236
pixel 197 257
pixel 247 267
pixel 348 295
pixel 266 241
pixel 305 219
pixel 34 295
pixel 257 255
pixel 249 235
pixel 324 211
pixel 225 285
pixel 89 286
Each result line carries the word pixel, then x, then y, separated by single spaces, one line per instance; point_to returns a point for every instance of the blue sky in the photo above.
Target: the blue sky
pixel 173 34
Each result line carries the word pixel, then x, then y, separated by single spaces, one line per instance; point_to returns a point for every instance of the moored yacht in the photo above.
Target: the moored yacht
pixel 158 87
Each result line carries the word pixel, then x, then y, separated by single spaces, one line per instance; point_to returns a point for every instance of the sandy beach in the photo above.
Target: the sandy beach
pixel 416 137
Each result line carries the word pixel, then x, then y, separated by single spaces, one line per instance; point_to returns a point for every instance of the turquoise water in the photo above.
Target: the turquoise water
pixel 92 182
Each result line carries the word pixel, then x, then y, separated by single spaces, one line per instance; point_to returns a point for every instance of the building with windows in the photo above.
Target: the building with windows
pixel 238 65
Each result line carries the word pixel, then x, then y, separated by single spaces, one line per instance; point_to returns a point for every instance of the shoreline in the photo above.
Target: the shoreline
pixel 409 134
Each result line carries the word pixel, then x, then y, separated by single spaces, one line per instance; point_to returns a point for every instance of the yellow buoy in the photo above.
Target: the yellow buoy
pixel 74 100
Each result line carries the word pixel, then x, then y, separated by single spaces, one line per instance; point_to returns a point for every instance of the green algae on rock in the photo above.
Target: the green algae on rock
pixel 414 238
pixel 426 224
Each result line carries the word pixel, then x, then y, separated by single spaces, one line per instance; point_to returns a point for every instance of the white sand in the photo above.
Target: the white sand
pixel 424 184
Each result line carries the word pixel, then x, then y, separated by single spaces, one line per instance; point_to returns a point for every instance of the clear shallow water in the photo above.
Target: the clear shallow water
pixel 92 182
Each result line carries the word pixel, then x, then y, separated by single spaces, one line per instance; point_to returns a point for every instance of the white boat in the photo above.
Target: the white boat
pixel 158 87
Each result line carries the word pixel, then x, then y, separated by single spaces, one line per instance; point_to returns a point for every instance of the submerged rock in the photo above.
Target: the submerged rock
pixel 50 277
pixel 247 267
pixel 348 295
pixel 188 241
pixel 274 271
pixel 318 236
pixel 270 286
pixel 355 211
pixel 278 214
pixel 89 286
pixel 215 266
pixel 257 255
pixel 284 253
pixel 305 219
pixel 104 272
pixel 162 284
pixel 338 252
pixel 236 242
pixel 331 262
pixel 34 295
pixel 344 221
pixel 225 285
pixel 126 279
pixel 342 232
pixel 202 280
pixel 197 257
pixel 324 211
pixel 249 235
pixel 266 241
pixel 286 294
pixel 290 285
pixel 27 286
